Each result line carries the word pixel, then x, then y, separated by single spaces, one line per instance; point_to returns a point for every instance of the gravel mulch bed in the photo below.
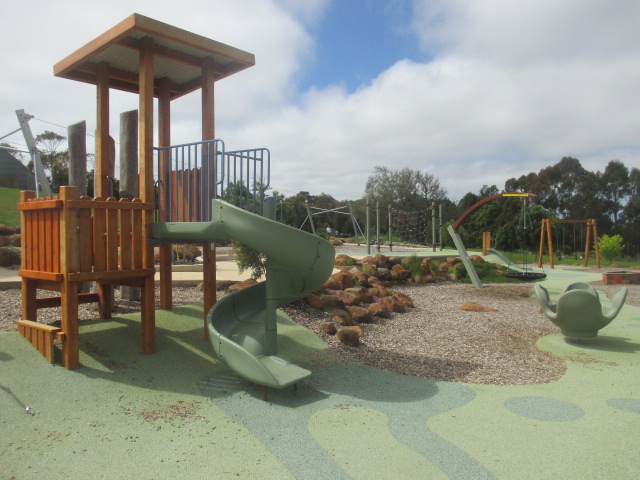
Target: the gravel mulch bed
pixel 434 340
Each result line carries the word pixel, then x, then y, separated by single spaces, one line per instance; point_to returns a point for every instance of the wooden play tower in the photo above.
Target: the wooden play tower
pixel 69 240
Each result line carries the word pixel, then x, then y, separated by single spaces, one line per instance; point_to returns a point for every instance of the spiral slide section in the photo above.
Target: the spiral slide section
pixel 243 325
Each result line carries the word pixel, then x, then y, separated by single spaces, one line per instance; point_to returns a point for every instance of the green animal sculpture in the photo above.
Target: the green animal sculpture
pixel 578 311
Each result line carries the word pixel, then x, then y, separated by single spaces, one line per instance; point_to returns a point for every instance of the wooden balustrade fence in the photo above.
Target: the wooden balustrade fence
pixel 68 241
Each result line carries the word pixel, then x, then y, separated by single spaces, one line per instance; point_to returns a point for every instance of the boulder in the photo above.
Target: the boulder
pixel 384 273
pixel 342 317
pixel 358 329
pixel 378 310
pixel 378 291
pixel 361 293
pixel 4 230
pixel 404 299
pixel 393 304
pixel 399 273
pixel 349 336
pixel 14 240
pixel 240 285
pixel 339 281
pixel 475 307
pixel 343 259
pixel 336 242
pixel 360 279
pixel 9 256
pixel 346 297
pixel 323 302
pixel 477 258
pixel 327 327
pixel 359 314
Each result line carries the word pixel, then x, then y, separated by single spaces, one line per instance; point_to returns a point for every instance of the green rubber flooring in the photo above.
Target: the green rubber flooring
pixel 181 414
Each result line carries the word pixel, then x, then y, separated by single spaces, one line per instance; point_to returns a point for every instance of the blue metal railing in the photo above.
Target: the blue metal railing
pixel 191 174
pixel 247 176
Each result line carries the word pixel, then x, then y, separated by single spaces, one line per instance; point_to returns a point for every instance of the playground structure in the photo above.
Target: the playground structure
pixel 152 59
pixel 578 311
pixel 464 255
pixel 592 233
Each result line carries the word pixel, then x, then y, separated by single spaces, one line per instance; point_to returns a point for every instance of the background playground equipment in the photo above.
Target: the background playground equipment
pixel 578 311
pixel 592 233
pixel 243 325
pixel 455 236
pixel 152 59
pixel 409 229
pixel 314 211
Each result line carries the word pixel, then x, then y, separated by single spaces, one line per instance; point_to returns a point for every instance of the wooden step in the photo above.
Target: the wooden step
pixel 41 336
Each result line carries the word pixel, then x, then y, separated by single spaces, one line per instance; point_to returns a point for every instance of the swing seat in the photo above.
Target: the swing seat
pixel 578 312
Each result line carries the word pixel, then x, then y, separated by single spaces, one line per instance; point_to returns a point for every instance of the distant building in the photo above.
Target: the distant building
pixel 13 174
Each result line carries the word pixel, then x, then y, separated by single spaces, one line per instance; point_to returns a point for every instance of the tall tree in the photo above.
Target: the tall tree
pixel 615 189
pixel 54 159
pixel 404 189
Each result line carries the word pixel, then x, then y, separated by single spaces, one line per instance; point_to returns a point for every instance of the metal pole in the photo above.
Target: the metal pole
pixel 390 237
pixel 41 178
pixel 378 224
pixel 440 225
pixel 433 225
pixel 368 228
pixel 313 227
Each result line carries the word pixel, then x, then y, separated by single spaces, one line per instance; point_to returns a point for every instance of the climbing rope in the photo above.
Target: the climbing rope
pixel 27 409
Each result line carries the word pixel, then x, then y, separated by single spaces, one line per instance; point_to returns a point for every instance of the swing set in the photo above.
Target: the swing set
pixel 592 234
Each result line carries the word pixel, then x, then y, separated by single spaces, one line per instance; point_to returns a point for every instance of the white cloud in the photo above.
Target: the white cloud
pixel 510 88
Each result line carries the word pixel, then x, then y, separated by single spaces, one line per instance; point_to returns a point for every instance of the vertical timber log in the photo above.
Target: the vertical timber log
pixel 208 133
pixel 77 134
pixel 129 175
pixel 69 290
pixel 164 136
pixel 102 172
pixel 29 310
pixel 78 157
pixel 148 339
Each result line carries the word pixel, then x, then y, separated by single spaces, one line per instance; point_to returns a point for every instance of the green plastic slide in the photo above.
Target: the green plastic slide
pixel 243 325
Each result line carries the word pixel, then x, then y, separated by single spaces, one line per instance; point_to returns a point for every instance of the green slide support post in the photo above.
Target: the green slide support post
pixel 464 255
pixel 243 325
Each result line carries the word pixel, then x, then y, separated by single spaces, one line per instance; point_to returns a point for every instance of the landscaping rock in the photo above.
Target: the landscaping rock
pixel 343 259
pixel 475 307
pixel 393 304
pixel 359 314
pixel 399 273
pixel 349 337
pixel 339 281
pixel 361 293
pixel 240 285
pixel 323 302
pixel 9 256
pixel 346 297
pixel 14 240
pixel 327 327
pixel 342 317
pixel 378 310
pixel 404 299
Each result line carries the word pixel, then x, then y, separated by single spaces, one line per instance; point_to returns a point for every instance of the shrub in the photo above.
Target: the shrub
pixel 610 247
pixel 434 267
pixel 413 264
pixel 249 259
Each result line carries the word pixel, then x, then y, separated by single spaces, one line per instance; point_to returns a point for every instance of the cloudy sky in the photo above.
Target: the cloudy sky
pixel 473 92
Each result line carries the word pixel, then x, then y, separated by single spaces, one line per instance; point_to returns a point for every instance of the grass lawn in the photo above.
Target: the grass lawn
pixel 9 198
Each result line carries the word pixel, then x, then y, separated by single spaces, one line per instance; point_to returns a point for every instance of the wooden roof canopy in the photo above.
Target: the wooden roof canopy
pixel 178 57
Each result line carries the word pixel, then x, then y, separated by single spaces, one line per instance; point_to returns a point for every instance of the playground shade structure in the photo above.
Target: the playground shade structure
pixel 243 325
